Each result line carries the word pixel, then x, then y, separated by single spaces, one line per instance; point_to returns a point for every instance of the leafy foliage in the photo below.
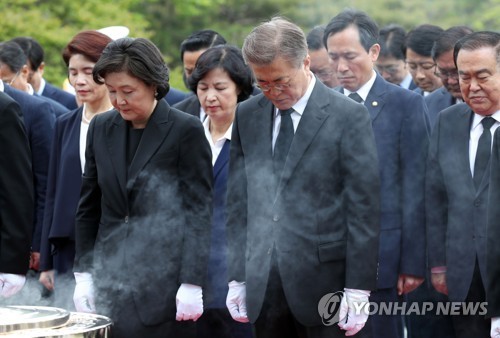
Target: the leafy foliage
pixel 167 22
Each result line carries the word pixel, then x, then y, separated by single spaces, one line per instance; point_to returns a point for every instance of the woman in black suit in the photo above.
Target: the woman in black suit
pixel 220 80
pixel 143 221
pixel 66 165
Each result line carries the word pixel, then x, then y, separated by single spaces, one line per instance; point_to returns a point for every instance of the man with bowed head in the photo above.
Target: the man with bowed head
pixel 303 195
pixel 490 53
pixel 16 198
pixel 461 228
pixel 400 125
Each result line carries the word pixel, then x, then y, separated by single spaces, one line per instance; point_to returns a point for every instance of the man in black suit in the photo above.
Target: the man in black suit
pixel 400 125
pixel 320 62
pixel 391 61
pixel 15 72
pixel 16 198
pixel 302 223
pixel 457 182
pixel 442 53
pixel 418 48
pixel 191 49
pixel 485 48
pixel 39 120
pixel 35 54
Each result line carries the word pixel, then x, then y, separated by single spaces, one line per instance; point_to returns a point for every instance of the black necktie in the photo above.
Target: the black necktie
pixel 483 151
pixel 283 140
pixel 355 97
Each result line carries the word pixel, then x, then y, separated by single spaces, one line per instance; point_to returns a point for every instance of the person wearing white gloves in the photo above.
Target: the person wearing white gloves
pixel 144 216
pixel 16 199
pixel 303 193
pixel 492 284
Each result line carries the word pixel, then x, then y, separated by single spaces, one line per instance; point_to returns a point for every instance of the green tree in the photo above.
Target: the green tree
pixel 53 23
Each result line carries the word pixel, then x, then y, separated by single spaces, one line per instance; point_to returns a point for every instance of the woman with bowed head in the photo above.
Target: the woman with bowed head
pixel 143 220
pixel 220 80
pixel 66 165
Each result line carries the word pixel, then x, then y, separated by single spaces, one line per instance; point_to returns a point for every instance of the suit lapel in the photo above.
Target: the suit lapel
pixel 261 128
pixel 154 134
pixel 463 132
pixel 312 119
pixel 375 99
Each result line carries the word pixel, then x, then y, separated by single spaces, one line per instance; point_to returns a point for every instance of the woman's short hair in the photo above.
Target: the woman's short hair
pixel 139 58
pixel 229 59
pixel 88 43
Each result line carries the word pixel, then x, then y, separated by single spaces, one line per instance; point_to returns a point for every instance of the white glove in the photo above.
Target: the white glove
pixel 189 301
pixel 495 327
pixel 10 284
pixel 353 318
pixel 84 292
pixel 236 301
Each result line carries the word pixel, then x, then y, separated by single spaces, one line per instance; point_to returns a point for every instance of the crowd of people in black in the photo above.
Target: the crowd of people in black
pixel 355 158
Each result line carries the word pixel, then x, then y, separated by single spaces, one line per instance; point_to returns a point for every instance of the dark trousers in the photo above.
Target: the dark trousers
pixel 431 324
pixel 126 324
pixel 476 325
pixel 384 325
pixel 219 323
pixel 277 321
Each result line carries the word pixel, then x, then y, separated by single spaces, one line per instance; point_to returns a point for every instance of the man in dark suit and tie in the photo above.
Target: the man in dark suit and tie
pixel 391 62
pixel 303 195
pixel 418 49
pixel 400 125
pixel 493 230
pixel 35 54
pixel 191 49
pixel 457 182
pixel 16 198
pixel 39 120
pixel 442 53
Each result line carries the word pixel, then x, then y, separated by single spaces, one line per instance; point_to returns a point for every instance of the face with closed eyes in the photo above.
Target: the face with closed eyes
pixel 353 64
pixel 80 77
pixel 218 95
pixel 479 75
pixel 134 100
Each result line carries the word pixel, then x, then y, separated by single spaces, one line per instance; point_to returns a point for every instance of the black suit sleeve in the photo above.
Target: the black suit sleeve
pixel 436 204
pixel 236 209
pixel 414 141
pixel 196 184
pixel 42 128
pixel 493 233
pixel 16 191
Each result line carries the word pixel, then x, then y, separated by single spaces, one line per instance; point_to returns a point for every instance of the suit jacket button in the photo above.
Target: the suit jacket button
pixel 477 203
pixel 276 218
pixel 126 219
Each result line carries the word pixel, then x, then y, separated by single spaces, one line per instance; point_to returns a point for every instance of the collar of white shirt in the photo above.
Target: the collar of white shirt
pixel 364 89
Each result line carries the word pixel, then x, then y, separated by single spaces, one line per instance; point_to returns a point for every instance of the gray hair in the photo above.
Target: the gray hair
pixel 275 38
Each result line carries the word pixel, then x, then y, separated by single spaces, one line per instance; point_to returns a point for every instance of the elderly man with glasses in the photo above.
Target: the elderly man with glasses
pixel 303 197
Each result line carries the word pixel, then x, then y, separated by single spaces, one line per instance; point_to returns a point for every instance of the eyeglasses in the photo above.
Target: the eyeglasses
pixel 446 73
pixel 390 69
pixel 323 74
pixel 423 65
pixel 277 86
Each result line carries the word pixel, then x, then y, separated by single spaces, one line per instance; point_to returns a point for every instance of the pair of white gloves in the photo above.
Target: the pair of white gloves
pixel 10 284
pixel 189 298
pixel 351 321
